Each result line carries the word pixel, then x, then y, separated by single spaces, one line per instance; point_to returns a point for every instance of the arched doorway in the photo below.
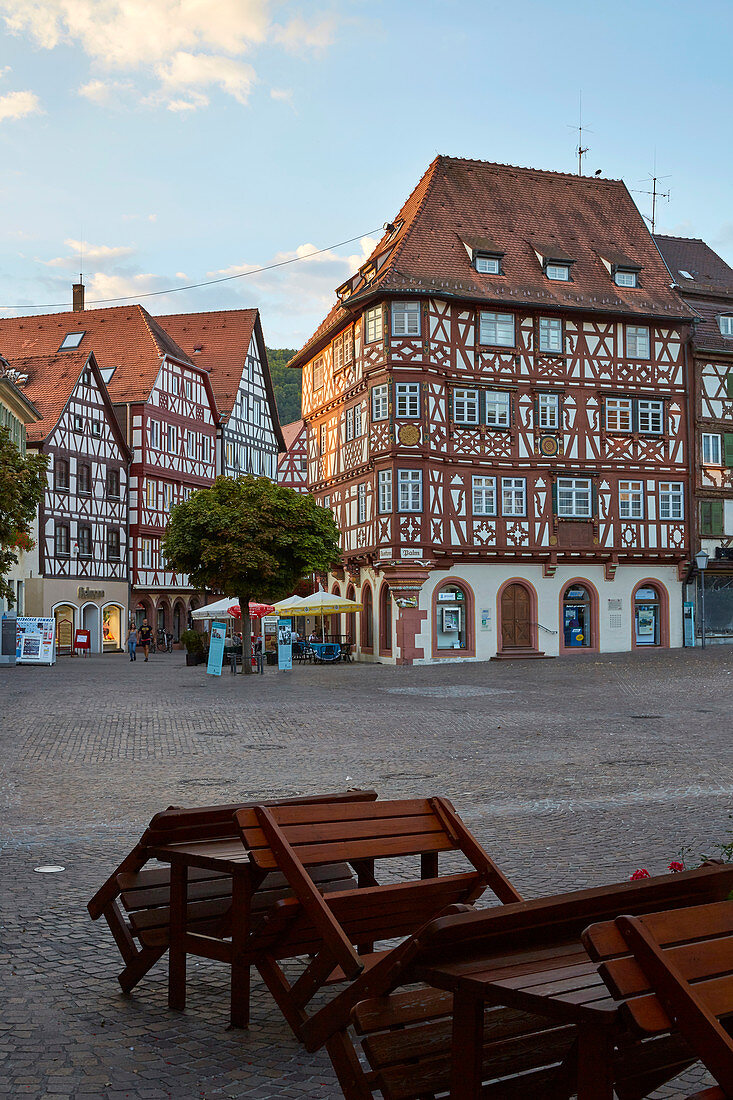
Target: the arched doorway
pixel 333 623
pixel 143 610
pixel 516 605
pixel 112 637
pixel 162 616
pixel 179 620
pixel 90 622
pixel 351 617
pixel 385 620
pixel 367 619
pixel 650 623
pixel 453 620
pixel 579 617
pixel 65 616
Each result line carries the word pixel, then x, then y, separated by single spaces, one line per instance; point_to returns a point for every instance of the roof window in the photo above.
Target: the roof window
pixel 558 273
pixel 487 264
pixel 686 274
pixel 725 324
pixel 71 340
pixel 624 276
pixel 107 373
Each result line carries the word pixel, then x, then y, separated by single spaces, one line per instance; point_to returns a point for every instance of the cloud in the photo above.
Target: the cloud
pixel 105 92
pixel 282 95
pixel 90 253
pixel 185 46
pixel 16 105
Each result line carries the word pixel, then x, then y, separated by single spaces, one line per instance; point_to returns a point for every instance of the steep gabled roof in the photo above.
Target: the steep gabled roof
pixel 520 211
pixel 124 338
pixel 709 291
pixel 50 382
pixel 291 432
pixel 219 341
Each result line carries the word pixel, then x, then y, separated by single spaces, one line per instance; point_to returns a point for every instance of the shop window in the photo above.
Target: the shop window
pixel 367 619
pixel 451 628
pixel 112 628
pixel 647 616
pixel 576 617
pixel 64 615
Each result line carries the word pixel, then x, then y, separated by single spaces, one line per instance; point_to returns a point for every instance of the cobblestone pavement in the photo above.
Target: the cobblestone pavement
pixel 571 772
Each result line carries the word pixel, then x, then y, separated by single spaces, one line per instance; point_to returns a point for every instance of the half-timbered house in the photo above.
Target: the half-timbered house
pixel 82 541
pixel 705 282
pixel 496 415
pixel 292 466
pixel 229 345
pixel 166 410
pixel 16 413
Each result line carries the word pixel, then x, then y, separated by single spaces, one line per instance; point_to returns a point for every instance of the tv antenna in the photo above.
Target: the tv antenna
pixel 655 193
pixel 581 149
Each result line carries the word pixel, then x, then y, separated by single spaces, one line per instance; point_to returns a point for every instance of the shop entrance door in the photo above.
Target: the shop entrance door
pixel 646 617
pixel 516 619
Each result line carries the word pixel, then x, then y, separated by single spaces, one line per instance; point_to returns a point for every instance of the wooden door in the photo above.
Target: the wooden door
pixel 516 619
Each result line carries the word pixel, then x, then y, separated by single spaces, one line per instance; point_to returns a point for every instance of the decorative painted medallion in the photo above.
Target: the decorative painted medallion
pixel 409 435
pixel 548 446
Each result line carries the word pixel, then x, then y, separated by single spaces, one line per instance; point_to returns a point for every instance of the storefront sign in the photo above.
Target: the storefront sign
pixel 35 641
pixel 448 597
pixel 216 649
pixel 89 593
pixel 385 552
pixel 646 594
pixel 485 619
pixel 285 645
pixel 411 552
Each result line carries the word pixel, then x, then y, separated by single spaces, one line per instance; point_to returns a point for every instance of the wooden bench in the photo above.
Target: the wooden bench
pixel 340 930
pixel 673 971
pixel 135 899
pixel 395 1032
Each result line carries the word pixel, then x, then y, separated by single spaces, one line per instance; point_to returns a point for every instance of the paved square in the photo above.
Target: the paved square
pixel 571 772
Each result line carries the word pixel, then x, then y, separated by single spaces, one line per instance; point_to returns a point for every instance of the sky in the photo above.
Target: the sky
pixel 158 143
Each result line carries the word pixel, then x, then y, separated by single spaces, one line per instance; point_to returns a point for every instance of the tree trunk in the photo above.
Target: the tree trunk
pixel 246 634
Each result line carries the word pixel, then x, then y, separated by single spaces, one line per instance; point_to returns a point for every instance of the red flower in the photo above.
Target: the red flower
pixel 675 866
pixel 641 872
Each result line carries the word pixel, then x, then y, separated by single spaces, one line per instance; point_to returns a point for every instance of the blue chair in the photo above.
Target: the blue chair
pixel 326 651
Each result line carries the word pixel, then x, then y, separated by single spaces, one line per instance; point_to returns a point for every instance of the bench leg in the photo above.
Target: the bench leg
pixel 138 967
pixel 176 948
pixel 240 976
pixel 595 1063
pixel 467 1048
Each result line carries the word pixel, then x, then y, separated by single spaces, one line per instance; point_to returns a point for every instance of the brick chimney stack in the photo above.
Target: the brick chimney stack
pixel 77 291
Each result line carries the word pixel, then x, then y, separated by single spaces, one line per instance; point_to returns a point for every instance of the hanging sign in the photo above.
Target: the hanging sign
pixel 35 641
pixel 284 645
pixel 216 649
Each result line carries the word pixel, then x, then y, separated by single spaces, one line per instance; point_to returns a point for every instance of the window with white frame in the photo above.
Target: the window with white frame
pixel 151 493
pixel 558 273
pixel 548 411
pixel 550 331
pixel 410 490
pixel 465 406
pixel 710 449
pixel 349 428
pixel 206 444
pixel 637 342
pixel 650 417
pixel 498 409
pixel 626 278
pixel 631 499
pixel 154 434
pixel 230 454
pixel 361 502
pixel 407 400
pixel 167 496
pixel 405 318
pixel 322 440
pixel 380 402
pixel 484 496
pixel 96 426
pixel 172 439
pixel 318 374
pixel 385 491
pixel 486 264
pixel 241 457
pixel 619 414
pixel 725 324
pixel 513 496
pixel 574 497
pixel 191 444
pixel 348 346
pixel 146 554
pixel 357 421
pixel 373 324
pixel 189 389
pixel 496 329
pixel 327 502
pixel 174 383
pixel 671 500
pixel 338 353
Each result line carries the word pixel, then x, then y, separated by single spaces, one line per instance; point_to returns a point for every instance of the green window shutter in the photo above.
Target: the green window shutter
pixel 706 517
pixel 728 448
pixel 594 498
pixel 554 497
pixel 716 522
pixel 729 383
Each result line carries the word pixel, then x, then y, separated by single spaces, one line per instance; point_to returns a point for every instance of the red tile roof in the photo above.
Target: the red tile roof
pixel 709 292
pixel 291 432
pixel 51 381
pixel 125 338
pixel 458 201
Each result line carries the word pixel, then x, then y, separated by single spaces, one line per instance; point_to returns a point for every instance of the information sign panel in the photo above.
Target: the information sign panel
pixel 216 649
pixel 285 645
pixel 35 641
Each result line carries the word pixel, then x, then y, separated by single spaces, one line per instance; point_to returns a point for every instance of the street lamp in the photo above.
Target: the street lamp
pixel 701 561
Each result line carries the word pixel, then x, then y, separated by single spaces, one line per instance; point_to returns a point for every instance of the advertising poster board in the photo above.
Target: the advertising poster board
pixel 82 641
pixel 285 645
pixel 216 649
pixel 35 641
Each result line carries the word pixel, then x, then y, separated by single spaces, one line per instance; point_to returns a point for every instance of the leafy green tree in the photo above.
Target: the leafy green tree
pixel 250 539
pixel 22 483
pixel 286 382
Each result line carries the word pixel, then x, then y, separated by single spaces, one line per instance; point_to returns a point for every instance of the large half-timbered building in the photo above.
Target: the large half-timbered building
pixel 705 282
pixel 16 413
pixel 292 467
pixel 166 410
pixel 229 344
pixel 82 539
pixel 496 415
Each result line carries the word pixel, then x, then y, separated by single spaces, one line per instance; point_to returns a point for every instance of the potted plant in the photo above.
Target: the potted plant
pixel 194 644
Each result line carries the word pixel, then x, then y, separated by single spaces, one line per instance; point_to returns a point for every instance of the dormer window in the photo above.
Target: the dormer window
pixel 486 264
pixel 71 340
pixel 625 277
pixel 725 324
pixel 558 273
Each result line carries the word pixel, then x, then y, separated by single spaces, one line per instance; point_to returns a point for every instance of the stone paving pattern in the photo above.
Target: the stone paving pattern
pixel 572 772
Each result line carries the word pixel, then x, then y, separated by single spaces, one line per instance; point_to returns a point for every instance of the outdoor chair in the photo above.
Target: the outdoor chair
pixel 674 972
pixel 340 931
pixel 135 899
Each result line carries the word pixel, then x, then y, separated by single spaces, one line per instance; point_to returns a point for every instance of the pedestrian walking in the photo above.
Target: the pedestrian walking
pixel 132 643
pixel 145 637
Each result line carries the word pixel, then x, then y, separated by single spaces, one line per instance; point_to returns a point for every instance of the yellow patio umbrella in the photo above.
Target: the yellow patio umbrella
pixel 320 603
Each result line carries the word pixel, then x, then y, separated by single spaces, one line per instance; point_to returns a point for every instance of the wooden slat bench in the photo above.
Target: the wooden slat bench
pixel 673 971
pixel 340 930
pixel 135 899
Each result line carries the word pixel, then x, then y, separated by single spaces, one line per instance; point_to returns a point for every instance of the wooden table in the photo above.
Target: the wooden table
pixel 558 982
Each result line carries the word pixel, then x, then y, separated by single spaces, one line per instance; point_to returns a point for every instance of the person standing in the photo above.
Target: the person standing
pixel 145 637
pixel 132 643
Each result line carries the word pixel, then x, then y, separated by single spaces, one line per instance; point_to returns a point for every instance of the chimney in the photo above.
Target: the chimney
pixel 77 291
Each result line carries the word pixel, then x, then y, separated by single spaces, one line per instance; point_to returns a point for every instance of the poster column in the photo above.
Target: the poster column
pixel 216 649
pixel 285 645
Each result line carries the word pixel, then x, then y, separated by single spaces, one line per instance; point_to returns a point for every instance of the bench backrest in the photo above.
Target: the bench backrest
pixel 674 968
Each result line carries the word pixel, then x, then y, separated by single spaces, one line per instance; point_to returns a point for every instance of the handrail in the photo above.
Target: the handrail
pixel 546 628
